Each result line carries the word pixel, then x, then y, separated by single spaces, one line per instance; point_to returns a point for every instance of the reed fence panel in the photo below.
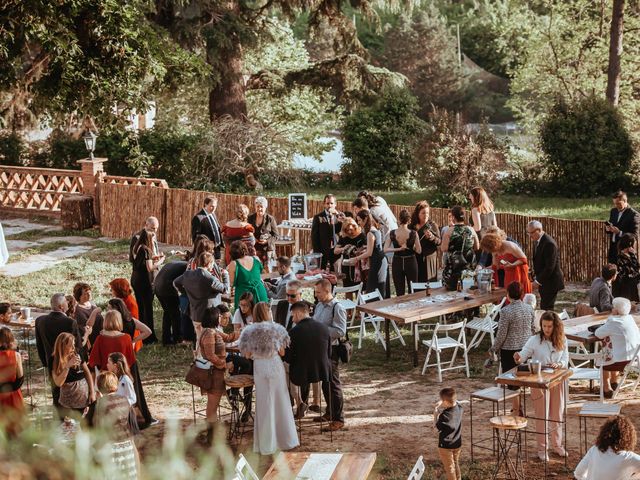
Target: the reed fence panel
pixel 582 243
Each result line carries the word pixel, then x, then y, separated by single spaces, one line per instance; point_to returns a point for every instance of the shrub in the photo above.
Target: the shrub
pixel 379 141
pixel 587 148
pixel 454 161
pixel 12 149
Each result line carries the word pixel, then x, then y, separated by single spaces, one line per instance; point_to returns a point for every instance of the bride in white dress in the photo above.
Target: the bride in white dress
pixel 274 427
pixel 4 253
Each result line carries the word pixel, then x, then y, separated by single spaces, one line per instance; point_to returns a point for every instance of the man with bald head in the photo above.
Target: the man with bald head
pixel 151 225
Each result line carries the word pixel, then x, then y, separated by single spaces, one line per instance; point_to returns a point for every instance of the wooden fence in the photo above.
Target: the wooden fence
pixel 582 243
pixel 37 190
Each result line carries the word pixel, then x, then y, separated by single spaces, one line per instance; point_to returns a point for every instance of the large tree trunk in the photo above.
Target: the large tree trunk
pixel 615 51
pixel 227 97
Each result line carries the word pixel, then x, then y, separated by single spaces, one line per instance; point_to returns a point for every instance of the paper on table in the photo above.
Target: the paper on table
pixel 319 466
pixel 311 278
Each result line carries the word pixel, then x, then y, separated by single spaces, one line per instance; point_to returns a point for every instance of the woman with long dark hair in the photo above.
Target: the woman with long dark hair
pixel 429 237
pixel 373 253
pixel 626 282
pixel 144 265
pixel 549 347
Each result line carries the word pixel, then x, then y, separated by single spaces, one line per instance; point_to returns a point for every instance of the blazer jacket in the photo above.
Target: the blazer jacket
pixel 629 221
pixel 202 289
pixel 546 265
pixel 322 234
pixel 309 353
pixel 281 316
pixel 48 327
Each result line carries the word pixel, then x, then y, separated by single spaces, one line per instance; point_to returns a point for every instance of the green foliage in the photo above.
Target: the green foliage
pixel 379 141
pixel 83 56
pixel 168 151
pixel 567 56
pixel 12 148
pixel 453 161
pixel 435 77
pixel 588 150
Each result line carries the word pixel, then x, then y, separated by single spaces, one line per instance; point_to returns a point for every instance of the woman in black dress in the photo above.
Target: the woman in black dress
pixel 350 244
pixel 626 283
pixel 265 231
pixel 373 253
pixel 429 236
pixel 144 265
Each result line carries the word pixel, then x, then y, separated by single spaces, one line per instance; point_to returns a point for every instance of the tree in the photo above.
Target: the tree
pixel 379 141
pixel 82 57
pixel 615 51
pixel 434 75
pixel 587 149
pixel 567 55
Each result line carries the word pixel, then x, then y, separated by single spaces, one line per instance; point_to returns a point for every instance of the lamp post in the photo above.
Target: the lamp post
pixel 90 142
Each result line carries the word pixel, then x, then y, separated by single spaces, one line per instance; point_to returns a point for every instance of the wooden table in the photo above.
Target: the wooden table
pixel 577 328
pixel 413 308
pixel 352 466
pixel 543 381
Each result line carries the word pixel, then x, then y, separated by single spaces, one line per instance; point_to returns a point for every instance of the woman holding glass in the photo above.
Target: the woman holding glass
pixel 264 226
pixel 549 347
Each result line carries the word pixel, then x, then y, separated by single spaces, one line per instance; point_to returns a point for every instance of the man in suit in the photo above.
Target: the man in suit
pixel 547 276
pixel 277 291
pixel 203 289
pixel 151 225
pixel 308 354
pixel 206 223
pixel 331 313
pixel 325 229
pixel 47 329
pixel 622 219
pixel 283 314
pixel 600 295
pixel 169 300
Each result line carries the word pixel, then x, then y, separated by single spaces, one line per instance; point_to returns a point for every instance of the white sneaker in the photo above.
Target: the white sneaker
pixel 543 456
pixel 560 451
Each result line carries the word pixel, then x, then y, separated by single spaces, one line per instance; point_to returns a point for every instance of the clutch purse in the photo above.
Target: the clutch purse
pixel 522 370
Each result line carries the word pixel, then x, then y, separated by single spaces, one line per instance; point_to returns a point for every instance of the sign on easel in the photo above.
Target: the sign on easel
pixel 297 206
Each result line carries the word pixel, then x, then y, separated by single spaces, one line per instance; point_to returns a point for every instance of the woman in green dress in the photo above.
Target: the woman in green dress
pixel 244 273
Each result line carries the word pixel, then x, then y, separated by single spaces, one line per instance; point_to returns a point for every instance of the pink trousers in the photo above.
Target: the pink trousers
pixel 552 409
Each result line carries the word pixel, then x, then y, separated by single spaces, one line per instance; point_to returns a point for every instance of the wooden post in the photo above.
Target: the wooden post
pixel 92 173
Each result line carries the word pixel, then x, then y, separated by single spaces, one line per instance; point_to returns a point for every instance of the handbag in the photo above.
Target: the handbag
pixel 200 377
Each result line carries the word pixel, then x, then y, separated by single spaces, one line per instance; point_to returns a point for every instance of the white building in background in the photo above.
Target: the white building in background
pixel 144 121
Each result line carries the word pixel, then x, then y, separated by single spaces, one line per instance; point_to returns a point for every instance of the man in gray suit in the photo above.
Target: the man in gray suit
pixel 278 290
pixel 204 287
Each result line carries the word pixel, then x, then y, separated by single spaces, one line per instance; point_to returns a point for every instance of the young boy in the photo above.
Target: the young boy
pixel 448 421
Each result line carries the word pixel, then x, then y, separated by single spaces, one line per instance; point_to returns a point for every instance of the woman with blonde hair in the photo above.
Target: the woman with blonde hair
pixel 264 342
pixel 238 229
pixel 549 347
pixel 508 257
pixel 117 364
pixel 71 373
pixel 482 211
pixel 405 245
pixel 351 242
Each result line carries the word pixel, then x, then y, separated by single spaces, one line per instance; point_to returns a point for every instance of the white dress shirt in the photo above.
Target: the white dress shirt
pixel 544 351
pixel 624 335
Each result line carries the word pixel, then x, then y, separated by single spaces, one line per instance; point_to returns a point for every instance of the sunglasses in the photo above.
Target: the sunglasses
pixel 292 295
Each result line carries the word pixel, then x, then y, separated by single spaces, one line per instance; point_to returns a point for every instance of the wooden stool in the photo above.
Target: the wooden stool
pixel 495 395
pixel 511 428
pixel 595 410
pixel 285 247
pixel 237 400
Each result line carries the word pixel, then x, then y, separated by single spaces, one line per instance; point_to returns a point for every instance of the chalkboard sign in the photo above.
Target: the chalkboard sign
pixel 297 206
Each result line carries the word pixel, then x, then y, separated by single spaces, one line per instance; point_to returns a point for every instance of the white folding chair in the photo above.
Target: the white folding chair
pixel 485 325
pixel 438 344
pixel 244 471
pixel 375 321
pixel 580 365
pixel 347 303
pixel 418 470
pixel 632 367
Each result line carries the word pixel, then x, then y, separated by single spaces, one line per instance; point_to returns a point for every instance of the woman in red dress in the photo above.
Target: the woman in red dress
pixel 238 229
pixel 508 257
pixel 11 376
pixel 121 288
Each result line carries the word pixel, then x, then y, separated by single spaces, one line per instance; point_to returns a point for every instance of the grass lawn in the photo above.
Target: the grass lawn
pixel 558 207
